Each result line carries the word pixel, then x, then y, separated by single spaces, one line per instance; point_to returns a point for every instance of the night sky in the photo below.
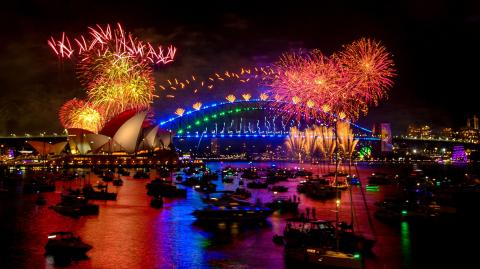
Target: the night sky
pixel 435 45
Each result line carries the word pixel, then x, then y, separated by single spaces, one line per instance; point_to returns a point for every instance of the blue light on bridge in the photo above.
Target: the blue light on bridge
pixel 268 136
pixel 230 111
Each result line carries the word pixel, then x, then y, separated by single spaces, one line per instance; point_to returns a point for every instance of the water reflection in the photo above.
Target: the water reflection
pixel 128 233
pixel 405 241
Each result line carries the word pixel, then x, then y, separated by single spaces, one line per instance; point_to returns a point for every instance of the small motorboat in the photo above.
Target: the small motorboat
pixel 232 213
pixel 65 243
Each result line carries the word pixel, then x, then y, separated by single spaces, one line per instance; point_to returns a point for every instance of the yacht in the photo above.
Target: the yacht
pixel 65 243
pixel 232 213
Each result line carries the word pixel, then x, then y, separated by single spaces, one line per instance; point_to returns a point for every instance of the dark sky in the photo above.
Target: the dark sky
pixel 435 45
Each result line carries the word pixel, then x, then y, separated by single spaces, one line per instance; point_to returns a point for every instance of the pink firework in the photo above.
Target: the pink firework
pixel 101 40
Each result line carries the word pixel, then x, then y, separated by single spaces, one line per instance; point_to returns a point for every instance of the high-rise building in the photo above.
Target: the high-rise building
pixel 473 122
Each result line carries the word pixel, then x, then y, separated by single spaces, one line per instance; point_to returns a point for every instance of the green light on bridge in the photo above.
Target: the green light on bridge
pixel 197 122
pixel 237 110
pixel 189 127
pixel 222 113
pixel 180 131
pixel 214 116
pixel 205 119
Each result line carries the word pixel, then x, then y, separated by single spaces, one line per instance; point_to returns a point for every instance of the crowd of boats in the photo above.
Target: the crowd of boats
pixel 421 197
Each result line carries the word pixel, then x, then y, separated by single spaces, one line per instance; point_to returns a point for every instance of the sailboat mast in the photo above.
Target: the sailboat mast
pixel 337 199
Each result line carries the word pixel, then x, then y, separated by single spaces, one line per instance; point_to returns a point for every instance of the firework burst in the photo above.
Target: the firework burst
pixel 114 67
pixel 118 83
pixel 80 114
pixel 369 69
pixel 309 84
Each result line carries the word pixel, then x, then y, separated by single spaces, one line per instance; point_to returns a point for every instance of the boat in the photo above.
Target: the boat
pixel 164 189
pixel 317 190
pixel 250 173
pixel 101 194
pixel 117 182
pixel 156 202
pixel 283 204
pixel 206 187
pixel 65 243
pixel 241 193
pixel 257 185
pixel 379 178
pixel 304 232
pixel 191 181
pixel 226 199
pixel 108 175
pixel 75 205
pixel 279 188
pixel 228 179
pixel 322 257
pixel 140 174
pixel 124 172
pixel 232 213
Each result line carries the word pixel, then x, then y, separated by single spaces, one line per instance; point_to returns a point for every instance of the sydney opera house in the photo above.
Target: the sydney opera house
pixel 130 138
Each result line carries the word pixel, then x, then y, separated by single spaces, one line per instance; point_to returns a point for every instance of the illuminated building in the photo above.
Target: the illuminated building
pixel 423 132
pixel 468 134
pixel 125 133
pixel 446 133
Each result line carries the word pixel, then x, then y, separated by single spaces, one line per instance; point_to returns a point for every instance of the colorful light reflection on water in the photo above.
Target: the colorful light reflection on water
pixel 128 233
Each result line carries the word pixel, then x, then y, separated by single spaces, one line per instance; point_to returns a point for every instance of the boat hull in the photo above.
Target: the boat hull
pixel 321 258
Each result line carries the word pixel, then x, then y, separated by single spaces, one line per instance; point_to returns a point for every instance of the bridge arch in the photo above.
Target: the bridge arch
pixel 242 118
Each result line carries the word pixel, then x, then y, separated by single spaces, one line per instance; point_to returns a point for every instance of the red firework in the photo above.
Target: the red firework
pixel 368 69
pixel 311 84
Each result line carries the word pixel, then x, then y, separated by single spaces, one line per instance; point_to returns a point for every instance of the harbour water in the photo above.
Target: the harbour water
pixel 128 233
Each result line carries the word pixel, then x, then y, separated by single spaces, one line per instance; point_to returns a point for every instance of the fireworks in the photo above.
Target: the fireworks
pixel 325 142
pixel 246 96
pixel 118 83
pixel 263 96
pixel 317 139
pixel 197 106
pixel 80 114
pixel 306 78
pixel 114 67
pixel 295 142
pixel 179 111
pixel 369 69
pixel 102 40
pixel 345 138
pixel 344 85
pixel 231 98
